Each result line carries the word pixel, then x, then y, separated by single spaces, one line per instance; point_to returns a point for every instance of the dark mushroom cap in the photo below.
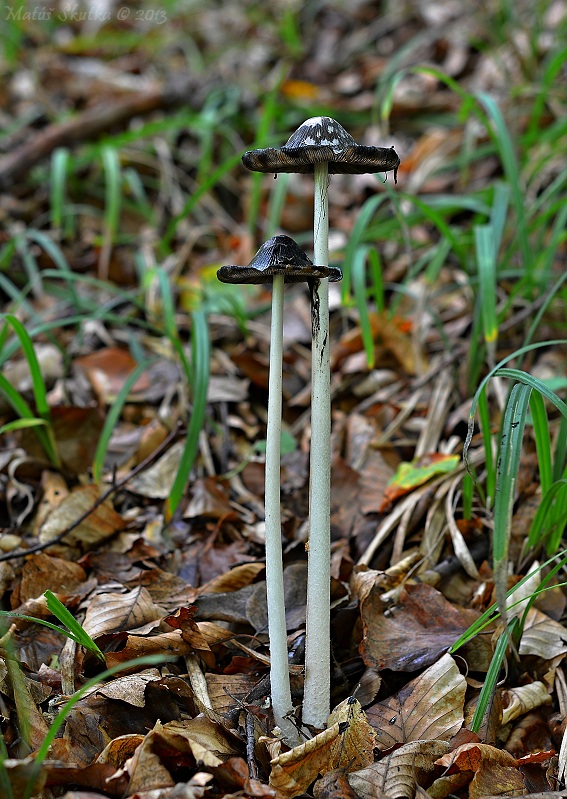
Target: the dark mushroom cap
pixel 322 139
pixel 279 255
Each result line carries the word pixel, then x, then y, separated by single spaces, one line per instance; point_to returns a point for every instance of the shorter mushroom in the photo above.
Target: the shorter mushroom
pixel 280 256
pixel 279 260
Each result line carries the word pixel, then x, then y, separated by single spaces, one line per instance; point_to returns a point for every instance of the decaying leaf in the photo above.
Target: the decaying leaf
pixel 334 785
pixel 122 612
pixel 494 779
pixel 413 633
pixel 522 699
pixel 347 742
pixel 197 740
pixel 493 771
pixel 130 689
pixel 42 572
pixel 156 482
pixel 429 707
pixel 397 774
pixel 543 636
pixel 98 525
pixel 171 644
pixel 411 475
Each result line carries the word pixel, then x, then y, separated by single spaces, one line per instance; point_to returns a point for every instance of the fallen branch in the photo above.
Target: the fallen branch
pixel 92 123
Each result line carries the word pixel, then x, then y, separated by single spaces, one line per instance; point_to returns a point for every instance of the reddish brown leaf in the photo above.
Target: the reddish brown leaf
pixel 414 633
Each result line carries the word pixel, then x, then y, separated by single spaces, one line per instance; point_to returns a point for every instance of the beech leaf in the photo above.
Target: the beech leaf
pixel 347 743
pixel 429 707
pixel 396 774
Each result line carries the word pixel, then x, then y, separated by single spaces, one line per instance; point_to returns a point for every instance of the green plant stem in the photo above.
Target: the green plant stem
pixel 316 699
pixel 277 630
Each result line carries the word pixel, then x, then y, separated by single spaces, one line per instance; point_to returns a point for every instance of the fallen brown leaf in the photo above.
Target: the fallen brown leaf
pixel 97 526
pixel 427 708
pixel 397 774
pixel 414 632
pixel 347 741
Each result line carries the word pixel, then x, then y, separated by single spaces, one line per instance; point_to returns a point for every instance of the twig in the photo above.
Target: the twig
pixel 92 123
pixel 21 553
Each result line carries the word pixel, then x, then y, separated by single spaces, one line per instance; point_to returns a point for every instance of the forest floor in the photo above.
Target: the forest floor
pixel 133 399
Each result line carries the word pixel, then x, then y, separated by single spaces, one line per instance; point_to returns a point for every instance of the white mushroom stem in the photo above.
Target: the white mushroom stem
pixel 277 631
pixel 316 699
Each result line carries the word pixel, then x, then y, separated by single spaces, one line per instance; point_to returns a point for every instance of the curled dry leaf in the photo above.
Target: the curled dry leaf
pixel 543 636
pixel 429 707
pixel 471 756
pixel 522 699
pixel 399 773
pixel 108 369
pixel 99 525
pixel 130 689
pixel 167 644
pixel 199 739
pixel 156 481
pixel 191 633
pixel 233 579
pixel 347 742
pixel 495 770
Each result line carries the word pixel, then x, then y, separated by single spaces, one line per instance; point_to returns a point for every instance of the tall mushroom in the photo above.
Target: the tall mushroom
pixel 279 260
pixel 320 146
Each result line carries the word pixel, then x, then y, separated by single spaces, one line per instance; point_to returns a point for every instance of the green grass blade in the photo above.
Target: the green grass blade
pixel 112 180
pixel 30 264
pixel 485 421
pixel 356 237
pixel 112 420
pixel 377 278
pixel 517 374
pixel 467 489
pixel 498 215
pixel 168 313
pixel 507 473
pixel 560 454
pixel 558 524
pixel 200 361
pixel 45 433
pixel 58 609
pixel 491 678
pixel 74 631
pixel 491 614
pixel 501 136
pixel 38 384
pixel 22 424
pixel 485 246
pixel 555 64
pixel 358 274
pixel 542 440
pixel 508 463
pixel 539 385
pixel 540 525
pixel 59 168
